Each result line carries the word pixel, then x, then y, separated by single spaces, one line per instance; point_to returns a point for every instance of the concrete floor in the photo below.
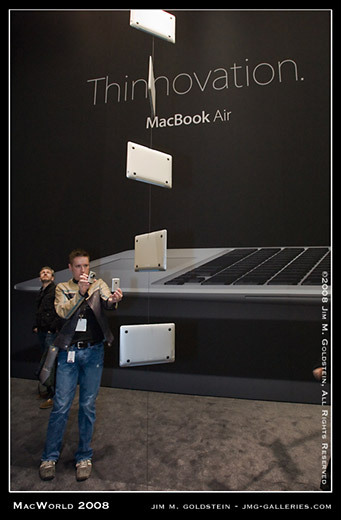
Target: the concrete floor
pixel 146 441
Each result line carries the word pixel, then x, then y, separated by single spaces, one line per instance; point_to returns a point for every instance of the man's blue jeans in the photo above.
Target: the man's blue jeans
pixel 87 371
pixel 46 339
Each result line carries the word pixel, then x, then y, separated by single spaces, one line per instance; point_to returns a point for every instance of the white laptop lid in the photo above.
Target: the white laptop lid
pixel 151 251
pixel 151 88
pixel 147 344
pixel 147 165
pixel 154 21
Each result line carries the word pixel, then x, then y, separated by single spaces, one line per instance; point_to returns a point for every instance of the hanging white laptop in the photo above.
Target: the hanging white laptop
pixel 147 344
pixel 151 87
pixel 147 165
pixel 155 22
pixel 151 251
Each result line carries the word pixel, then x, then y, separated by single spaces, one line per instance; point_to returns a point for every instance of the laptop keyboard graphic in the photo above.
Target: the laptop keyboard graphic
pixel 261 266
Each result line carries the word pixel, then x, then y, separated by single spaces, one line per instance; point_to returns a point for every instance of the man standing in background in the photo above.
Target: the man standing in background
pixel 47 323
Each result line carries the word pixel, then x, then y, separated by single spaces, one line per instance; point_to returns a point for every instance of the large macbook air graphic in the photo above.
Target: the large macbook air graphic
pixel 255 273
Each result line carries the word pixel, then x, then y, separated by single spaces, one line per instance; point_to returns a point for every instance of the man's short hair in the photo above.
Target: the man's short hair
pixel 77 252
pixel 47 267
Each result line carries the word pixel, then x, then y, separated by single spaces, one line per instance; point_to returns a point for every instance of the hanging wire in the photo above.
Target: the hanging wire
pixel 150 200
pixel 148 300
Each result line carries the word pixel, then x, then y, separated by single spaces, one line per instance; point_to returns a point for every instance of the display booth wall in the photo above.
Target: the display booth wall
pixel 243 106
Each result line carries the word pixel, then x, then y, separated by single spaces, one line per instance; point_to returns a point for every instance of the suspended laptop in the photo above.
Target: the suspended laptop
pixel 151 251
pixel 155 22
pixel 151 88
pixel 147 344
pixel 147 165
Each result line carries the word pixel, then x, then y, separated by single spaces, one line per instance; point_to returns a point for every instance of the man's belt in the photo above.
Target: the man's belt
pixel 84 344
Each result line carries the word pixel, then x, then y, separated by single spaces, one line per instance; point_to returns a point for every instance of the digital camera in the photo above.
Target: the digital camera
pixel 91 277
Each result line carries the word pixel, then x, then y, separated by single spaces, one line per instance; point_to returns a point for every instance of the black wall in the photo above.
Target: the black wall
pixel 260 178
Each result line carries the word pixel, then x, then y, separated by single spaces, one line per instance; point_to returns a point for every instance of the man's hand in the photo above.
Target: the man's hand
pixel 83 284
pixel 116 297
pixel 318 373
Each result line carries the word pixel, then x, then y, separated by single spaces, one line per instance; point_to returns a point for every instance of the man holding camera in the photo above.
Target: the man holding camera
pixel 81 302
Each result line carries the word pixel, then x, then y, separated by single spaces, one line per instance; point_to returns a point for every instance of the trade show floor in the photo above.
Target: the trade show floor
pixel 147 441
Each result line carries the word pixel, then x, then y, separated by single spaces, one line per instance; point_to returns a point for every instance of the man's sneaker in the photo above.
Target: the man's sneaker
pixel 83 469
pixel 47 469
